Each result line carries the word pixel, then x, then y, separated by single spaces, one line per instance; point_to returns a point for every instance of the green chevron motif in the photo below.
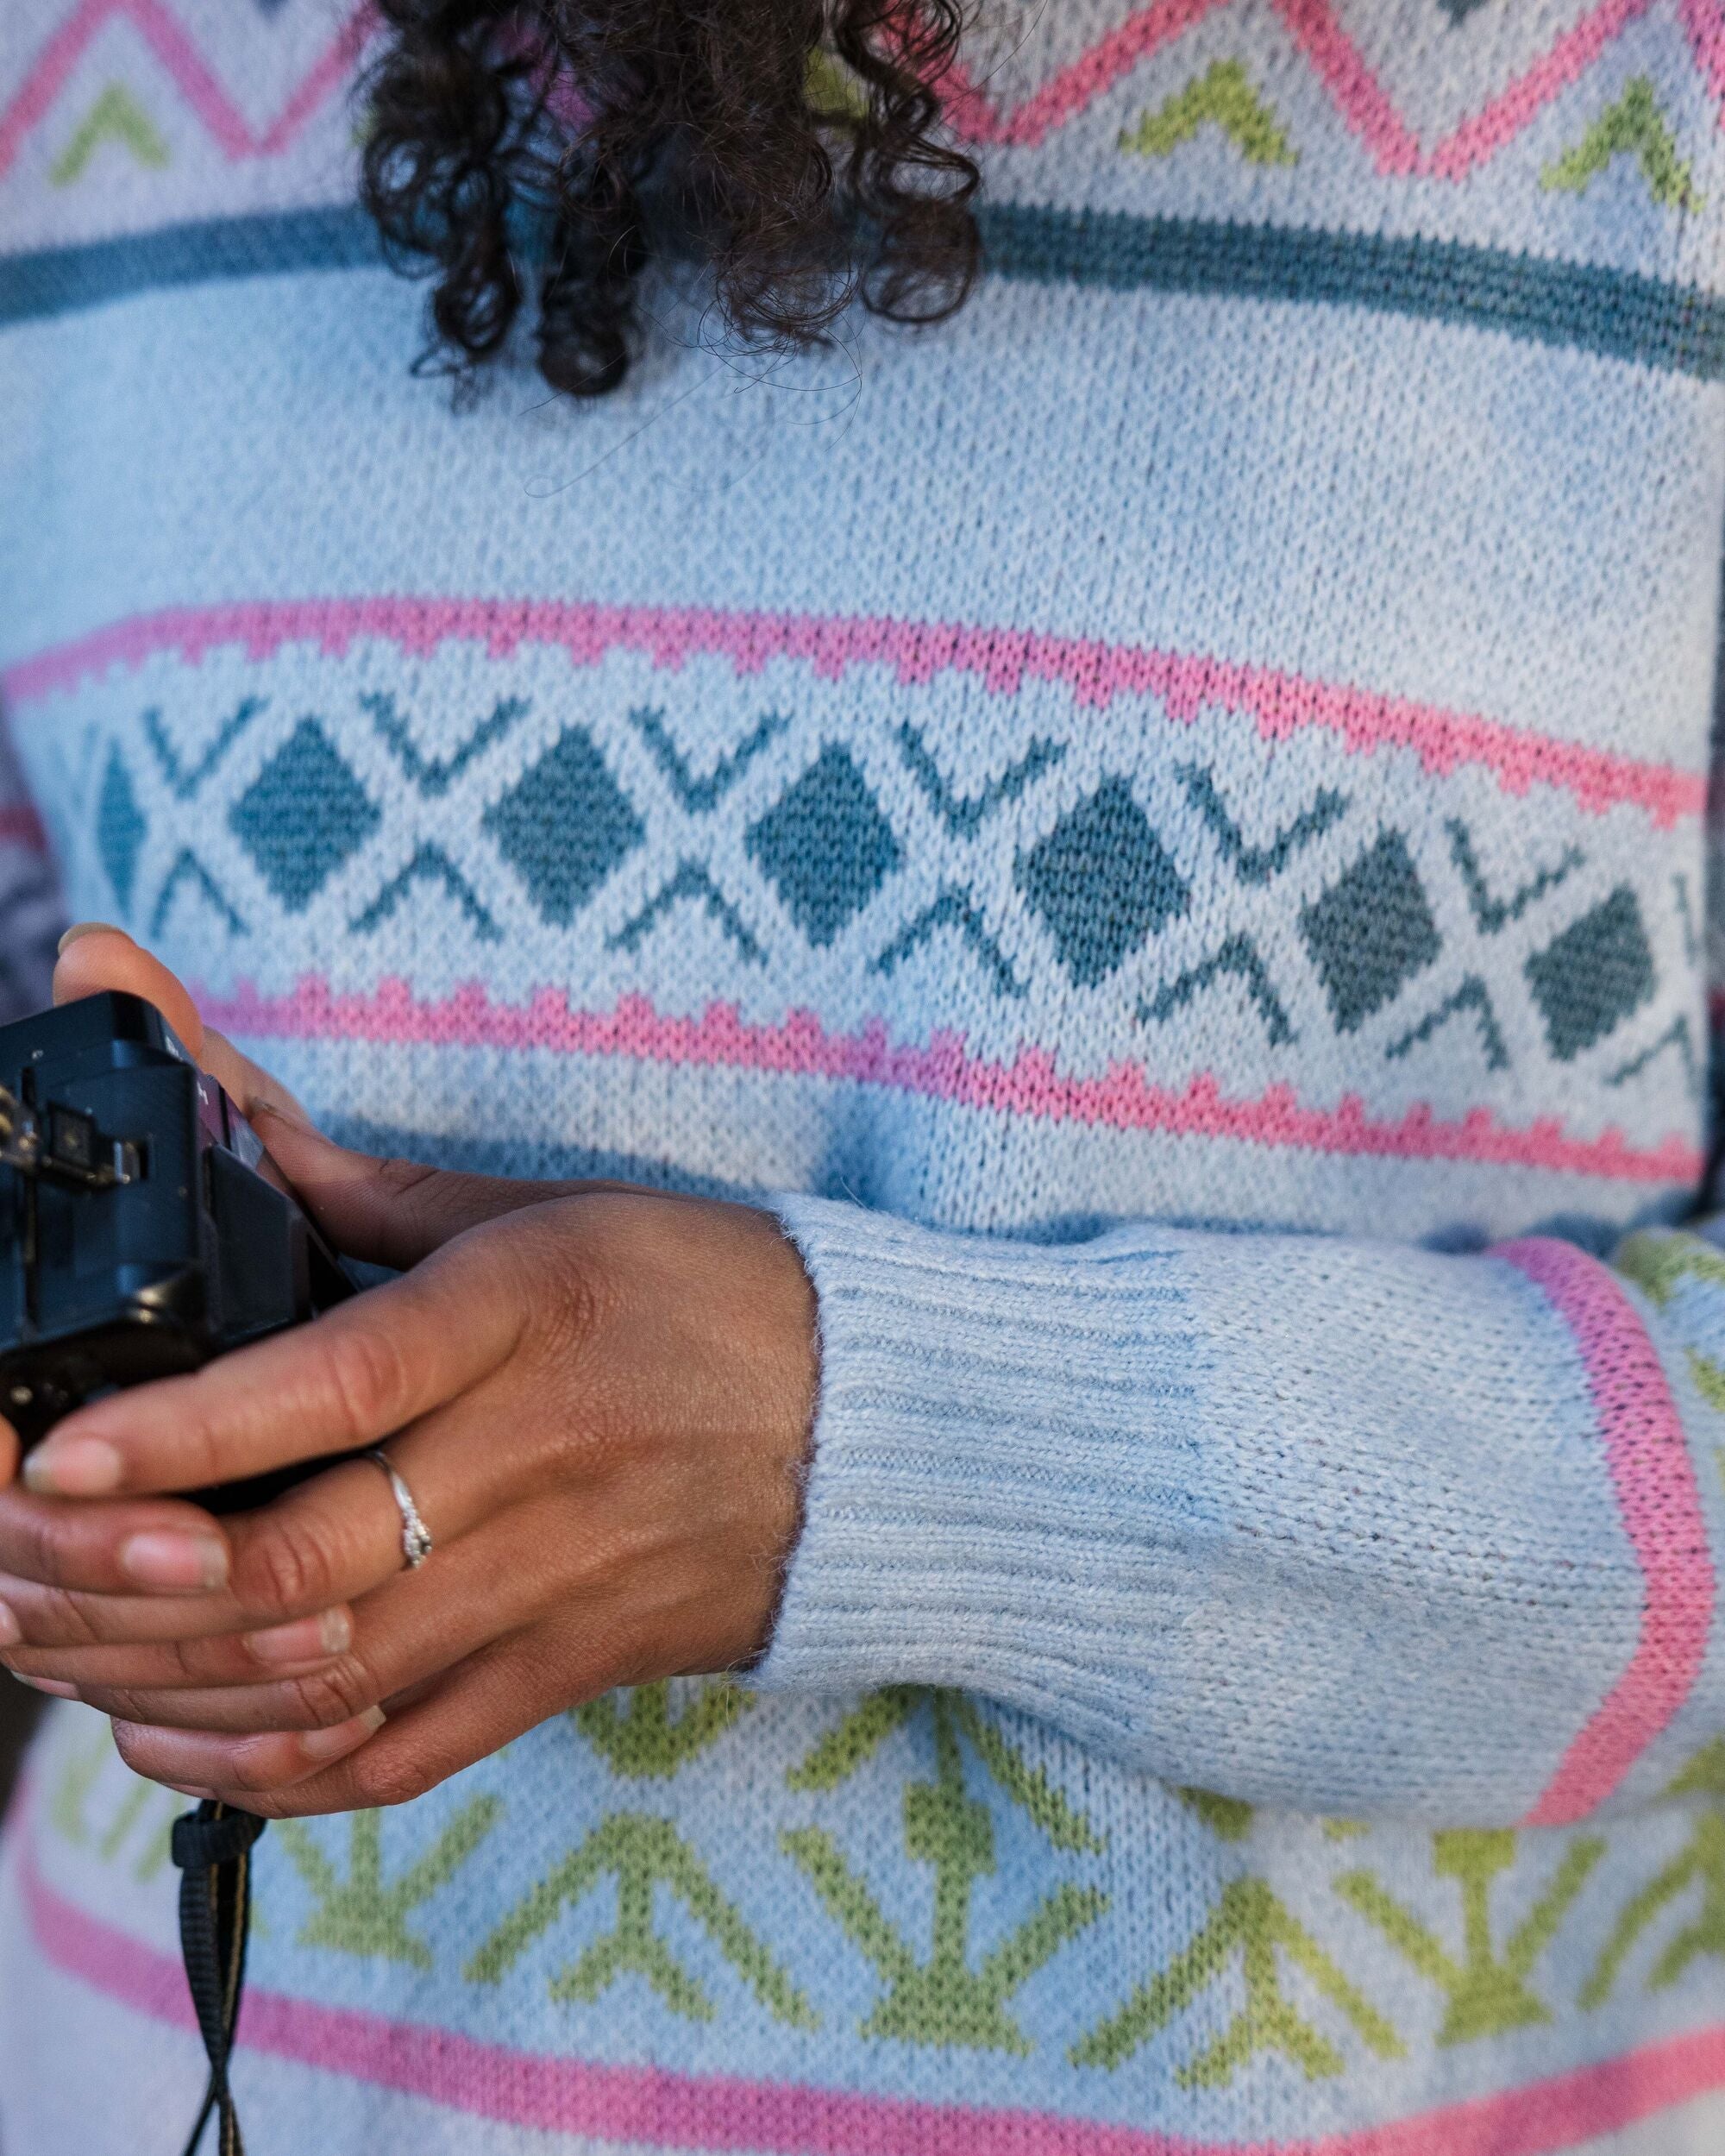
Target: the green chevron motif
pixel 1700 1863
pixel 1223 98
pixel 116 116
pixel 643 1854
pixel 359 1914
pixel 1635 126
pixel 642 1741
pixel 1252 1921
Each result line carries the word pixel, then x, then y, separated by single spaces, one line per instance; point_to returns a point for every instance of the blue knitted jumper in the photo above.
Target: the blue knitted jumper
pixel 1162 824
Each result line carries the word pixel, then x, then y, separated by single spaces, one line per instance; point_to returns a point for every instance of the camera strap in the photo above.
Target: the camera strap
pixel 213 1848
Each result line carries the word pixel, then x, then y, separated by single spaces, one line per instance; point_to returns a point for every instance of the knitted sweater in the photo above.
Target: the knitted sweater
pixel 1161 825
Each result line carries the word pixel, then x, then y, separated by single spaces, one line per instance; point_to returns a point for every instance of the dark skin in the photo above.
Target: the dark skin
pixel 600 1396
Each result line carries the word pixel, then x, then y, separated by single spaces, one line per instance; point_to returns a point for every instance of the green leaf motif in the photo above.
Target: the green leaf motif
pixel 951 1997
pixel 643 1853
pixel 1488 1991
pixel 1700 1863
pixel 642 1742
pixel 1250 1920
pixel 70 1798
pixel 359 1914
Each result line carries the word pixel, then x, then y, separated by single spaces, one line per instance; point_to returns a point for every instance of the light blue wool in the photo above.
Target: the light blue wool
pixel 1159 825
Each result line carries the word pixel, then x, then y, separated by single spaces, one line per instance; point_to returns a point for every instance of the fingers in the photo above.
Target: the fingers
pixel 73 1569
pixel 474 1710
pixel 230 1658
pixel 403 1635
pixel 146 1544
pixel 95 956
pixel 387 1212
pixel 182 1757
pixel 351 1378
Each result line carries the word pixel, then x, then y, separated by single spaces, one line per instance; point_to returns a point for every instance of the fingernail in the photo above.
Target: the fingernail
pixel 51 1685
pixel 90 928
pixel 164 1557
pixel 74 1467
pixel 306 1639
pixel 189 1789
pixel 11 1631
pixel 330 1743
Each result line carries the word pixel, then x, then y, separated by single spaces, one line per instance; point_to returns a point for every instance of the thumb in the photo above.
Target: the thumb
pixel 386 1212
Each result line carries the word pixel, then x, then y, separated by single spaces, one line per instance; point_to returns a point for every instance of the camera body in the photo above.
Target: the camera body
pixel 143 1228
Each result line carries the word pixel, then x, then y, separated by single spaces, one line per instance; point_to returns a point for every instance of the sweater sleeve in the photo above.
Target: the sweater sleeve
pixel 1347 1527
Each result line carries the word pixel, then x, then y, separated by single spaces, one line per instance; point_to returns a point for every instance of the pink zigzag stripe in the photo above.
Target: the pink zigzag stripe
pixel 1031 1086
pixel 1003 659
pixel 1652 1478
pixel 167 37
pixel 1705 20
pixel 1358 95
pixel 723 2112
pixel 1362 100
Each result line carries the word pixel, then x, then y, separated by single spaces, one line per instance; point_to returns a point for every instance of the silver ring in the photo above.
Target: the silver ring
pixel 415 1536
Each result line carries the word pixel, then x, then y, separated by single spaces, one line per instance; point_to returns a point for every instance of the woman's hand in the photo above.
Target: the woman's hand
pixel 599 1396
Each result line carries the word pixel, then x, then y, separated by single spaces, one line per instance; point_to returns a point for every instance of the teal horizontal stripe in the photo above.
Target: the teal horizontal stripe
pixel 66 279
pixel 1615 312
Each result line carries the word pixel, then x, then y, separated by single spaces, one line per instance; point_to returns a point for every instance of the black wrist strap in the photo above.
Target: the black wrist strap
pixel 212 1847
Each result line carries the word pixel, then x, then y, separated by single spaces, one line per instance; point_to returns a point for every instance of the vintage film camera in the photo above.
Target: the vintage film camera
pixel 143 1228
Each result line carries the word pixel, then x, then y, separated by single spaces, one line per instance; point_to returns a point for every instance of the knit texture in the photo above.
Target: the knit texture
pixel 1161 826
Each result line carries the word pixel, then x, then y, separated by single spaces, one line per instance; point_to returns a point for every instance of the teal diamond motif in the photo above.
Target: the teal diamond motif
pixel 565 827
pixel 303 816
pixel 1103 882
pixel 826 846
pixel 121 829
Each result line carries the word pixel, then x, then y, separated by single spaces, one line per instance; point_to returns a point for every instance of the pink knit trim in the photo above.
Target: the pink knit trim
pixel 167 37
pixel 1031 1086
pixel 1652 1477
pixel 1278 703
pixel 715 2112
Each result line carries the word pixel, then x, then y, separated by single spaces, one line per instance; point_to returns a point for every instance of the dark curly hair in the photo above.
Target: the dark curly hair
pixel 793 146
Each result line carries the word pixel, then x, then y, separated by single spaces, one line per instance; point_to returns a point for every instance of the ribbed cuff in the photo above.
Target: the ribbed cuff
pixel 985 1409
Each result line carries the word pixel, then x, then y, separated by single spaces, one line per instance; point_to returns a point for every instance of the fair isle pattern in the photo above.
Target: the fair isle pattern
pixel 1482 1938
pixel 1318 28
pixel 812 841
pixel 1162 827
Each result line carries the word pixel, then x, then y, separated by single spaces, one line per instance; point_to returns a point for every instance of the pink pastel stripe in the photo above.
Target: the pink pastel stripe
pixel 970 113
pixel 1358 94
pixel 1705 20
pixel 1362 100
pixel 1647 1457
pixel 168 38
pixel 722 2112
pixel 942 1068
pixel 1477 139
pixel 43 84
pixel 1278 703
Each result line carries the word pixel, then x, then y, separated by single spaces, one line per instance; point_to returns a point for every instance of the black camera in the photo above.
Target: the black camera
pixel 143 1227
